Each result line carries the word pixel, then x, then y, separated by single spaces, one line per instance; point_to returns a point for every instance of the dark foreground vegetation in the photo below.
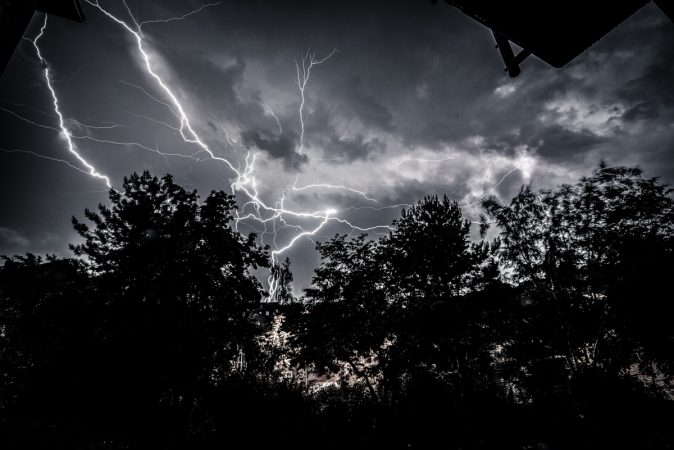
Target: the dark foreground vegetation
pixel 558 334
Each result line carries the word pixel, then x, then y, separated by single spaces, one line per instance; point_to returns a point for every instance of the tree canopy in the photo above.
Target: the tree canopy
pixel 556 334
pixel 158 310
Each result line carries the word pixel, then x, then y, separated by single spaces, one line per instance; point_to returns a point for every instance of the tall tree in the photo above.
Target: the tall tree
pixel 432 273
pixel 428 253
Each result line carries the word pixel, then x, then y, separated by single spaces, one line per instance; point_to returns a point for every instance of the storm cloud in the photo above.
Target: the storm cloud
pixel 413 102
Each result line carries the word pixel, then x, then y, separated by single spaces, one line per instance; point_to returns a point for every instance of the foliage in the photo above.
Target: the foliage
pixel 591 260
pixel 158 310
pixel 556 334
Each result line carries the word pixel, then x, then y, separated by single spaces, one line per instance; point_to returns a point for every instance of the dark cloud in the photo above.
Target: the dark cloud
pixel 213 85
pixel 649 110
pixel 359 103
pixel 558 144
pixel 356 147
pixel 279 146
pixel 651 95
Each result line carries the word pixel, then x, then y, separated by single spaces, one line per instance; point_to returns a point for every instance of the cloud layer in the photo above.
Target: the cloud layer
pixel 414 102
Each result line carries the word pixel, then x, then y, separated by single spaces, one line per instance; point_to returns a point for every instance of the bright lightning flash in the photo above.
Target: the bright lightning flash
pixel 65 132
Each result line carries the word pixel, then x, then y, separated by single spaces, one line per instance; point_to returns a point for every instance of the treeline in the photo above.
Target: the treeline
pixel 556 334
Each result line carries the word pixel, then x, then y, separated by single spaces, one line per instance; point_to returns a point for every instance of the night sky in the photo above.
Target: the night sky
pixel 415 101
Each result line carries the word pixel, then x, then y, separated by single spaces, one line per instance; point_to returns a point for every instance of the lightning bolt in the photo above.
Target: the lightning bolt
pixel 172 19
pixel 308 61
pixel 244 179
pixel 185 129
pixel 492 189
pixel 65 132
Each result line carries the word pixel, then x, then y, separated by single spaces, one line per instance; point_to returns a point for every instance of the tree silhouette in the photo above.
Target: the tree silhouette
pixel 344 330
pixel 555 335
pixel 591 259
pixel 591 263
pixel 404 313
pixel 430 268
pixel 176 302
pixel 428 253
pixel 48 331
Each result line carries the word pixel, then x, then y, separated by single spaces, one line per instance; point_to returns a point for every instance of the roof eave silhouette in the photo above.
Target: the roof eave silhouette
pixel 554 31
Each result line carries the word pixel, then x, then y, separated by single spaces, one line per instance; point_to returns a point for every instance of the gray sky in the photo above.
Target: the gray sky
pixel 414 102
